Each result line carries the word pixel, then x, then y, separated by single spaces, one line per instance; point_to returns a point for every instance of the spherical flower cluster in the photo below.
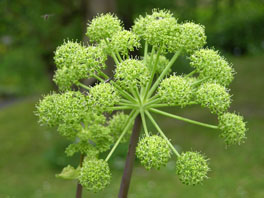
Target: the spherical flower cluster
pixel 65 110
pixel 153 152
pixel 213 96
pixel 124 41
pixel 162 63
pixel 95 174
pixel 210 64
pixel 75 62
pixel 192 168
pixel 103 27
pixel 70 60
pixel 102 96
pixel 132 73
pixel 176 90
pixel 233 128
pixel 141 23
pixel 191 37
pixel 58 108
pixel 117 124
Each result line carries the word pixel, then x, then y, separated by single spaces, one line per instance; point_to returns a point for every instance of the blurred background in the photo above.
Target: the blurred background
pixel 31 155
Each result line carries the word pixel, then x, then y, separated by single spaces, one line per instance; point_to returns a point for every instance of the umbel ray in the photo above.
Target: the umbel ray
pixel 98 119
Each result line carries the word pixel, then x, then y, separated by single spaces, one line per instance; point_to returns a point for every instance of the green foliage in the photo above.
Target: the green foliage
pixel 153 152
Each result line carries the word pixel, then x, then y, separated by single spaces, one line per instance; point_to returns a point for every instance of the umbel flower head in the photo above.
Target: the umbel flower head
pixel 176 90
pixel 95 174
pixel 211 65
pixel 192 168
pixel 153 152
pixel 98 118
pixel 233 128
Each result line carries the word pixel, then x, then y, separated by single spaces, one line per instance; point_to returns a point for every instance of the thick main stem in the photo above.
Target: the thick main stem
pixel 79 186
pixel 124 187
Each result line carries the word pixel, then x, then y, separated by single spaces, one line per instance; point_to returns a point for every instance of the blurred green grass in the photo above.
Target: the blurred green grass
pixel 31 155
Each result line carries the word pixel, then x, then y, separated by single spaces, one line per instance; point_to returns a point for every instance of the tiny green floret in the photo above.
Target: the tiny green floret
pixel 94 175
pixel 153 152
pixel 192 168
pixel 233 128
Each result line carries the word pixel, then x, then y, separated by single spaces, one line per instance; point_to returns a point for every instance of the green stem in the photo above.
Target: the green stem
pixel 130 119
pixel 191 73
pixel 120 108
pixel 199 81
pixel 115 59
pixel 183 119
pixel 145 52
pixel 164 72
pixel 83 86
pixel 161 133
pixel 144 123
pixel 119 57
pixel 153 72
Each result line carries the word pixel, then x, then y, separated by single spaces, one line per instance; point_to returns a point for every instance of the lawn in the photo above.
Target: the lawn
pixel 31 155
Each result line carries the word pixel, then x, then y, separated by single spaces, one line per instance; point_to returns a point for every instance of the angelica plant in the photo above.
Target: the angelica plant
pixel 97 119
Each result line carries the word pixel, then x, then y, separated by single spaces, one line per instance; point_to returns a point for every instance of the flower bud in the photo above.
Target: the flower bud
pixel 210 64
pixel 176 90
pixel 233 128
pixel 94 175
pixel 213 96
pixel 192 168
pixel 104 26
pixel 153 152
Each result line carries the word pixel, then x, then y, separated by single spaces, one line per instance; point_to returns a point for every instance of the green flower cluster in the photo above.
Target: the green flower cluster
pixel 76 62
pixel 95 174
pixel 176 90
pixel 211 65
pixel 138 86
pixel 213 96
pixel 153 152
pixel 192 168
pixel 132 73
pixel 233 128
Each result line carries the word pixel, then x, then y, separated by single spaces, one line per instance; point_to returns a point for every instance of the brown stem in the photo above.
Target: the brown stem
pixel 79 186
pixel 124 187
